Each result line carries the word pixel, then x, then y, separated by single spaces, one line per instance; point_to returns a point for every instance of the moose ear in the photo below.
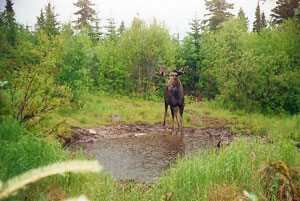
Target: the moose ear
pixel 161 71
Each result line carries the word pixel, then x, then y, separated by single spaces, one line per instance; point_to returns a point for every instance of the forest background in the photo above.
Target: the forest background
pixel 49 68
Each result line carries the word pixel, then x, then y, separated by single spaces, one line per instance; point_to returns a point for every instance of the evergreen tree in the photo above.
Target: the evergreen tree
pixel 285 9
pixel 111 27
pixel 98 31
pixel 241 15
pixel 41 21
pixel 121 28
pixel 9 8
pixel 86 14
pixel 195 27
pixel 257 25
pixel 51 24
pixel 263 20
pixel 218 12
pixel 11 23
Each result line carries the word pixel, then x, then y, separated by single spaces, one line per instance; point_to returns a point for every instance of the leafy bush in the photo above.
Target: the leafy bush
pixel 256 72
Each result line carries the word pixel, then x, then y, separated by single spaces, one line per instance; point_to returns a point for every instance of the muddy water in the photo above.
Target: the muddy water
pixel 144 157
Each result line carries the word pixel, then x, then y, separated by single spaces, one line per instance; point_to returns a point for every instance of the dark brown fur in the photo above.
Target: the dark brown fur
pixel 174 96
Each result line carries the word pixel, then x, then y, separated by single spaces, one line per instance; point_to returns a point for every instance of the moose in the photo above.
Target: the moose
pixel 174 95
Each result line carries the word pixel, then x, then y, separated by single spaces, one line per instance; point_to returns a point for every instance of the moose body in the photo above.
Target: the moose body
pixel 174 96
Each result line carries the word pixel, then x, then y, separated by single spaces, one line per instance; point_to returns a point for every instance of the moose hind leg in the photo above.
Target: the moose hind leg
pixel 166 113
pixel 175 113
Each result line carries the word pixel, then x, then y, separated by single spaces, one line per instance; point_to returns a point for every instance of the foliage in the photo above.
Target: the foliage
pixel 86 14
pixel 253 71
pixel 32 88
pixel 285 9
pixel 218 12
pixel 257 24
pixel 242 15
pixel 73 59
pixel 142 49
pixel 47 21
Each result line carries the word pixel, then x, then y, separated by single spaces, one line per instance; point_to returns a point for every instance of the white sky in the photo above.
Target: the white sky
pixel 175 14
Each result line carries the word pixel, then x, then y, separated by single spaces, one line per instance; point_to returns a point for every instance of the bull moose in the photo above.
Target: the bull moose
pixel 174 95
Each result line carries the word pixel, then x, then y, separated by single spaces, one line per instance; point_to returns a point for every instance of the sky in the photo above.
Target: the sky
pixel 174 14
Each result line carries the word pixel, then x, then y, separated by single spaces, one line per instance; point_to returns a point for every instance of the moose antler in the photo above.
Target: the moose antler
pixel 180 72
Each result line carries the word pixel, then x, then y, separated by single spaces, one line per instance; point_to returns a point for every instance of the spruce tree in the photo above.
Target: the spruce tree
pixel 257 22
pixel 195 27
pixel 9 9
pixel 111 27
pixel 263 20
pixel 11 23
pixel 51 24
pixel 121 28
pixel 41 21
pixel 285 9
pixel 86 14
pixel 241 15
pixel 218 12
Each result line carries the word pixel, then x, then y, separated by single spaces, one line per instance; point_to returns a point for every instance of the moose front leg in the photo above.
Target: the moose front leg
pixel 181 119
pixel 172 112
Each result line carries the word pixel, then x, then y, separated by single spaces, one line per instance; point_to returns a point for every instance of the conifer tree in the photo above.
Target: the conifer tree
pixel 11 23
pixel 195 27
pixel 9 9
pixel 51 24
pixel 86 14
pixel 263 20
pixel 41 21
pixel 218 12
pixel 47 21
pixel 97 27
pixel 121 28
pixel 111 27
pixel 257 22
pixel 285 9
pixel 241 15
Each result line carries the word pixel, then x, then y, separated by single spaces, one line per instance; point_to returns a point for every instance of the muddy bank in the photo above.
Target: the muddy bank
pixel 215 129
pixel 90 135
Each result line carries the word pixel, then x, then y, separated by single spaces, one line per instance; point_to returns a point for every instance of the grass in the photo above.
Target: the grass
pixel 213 175
pixel 225 174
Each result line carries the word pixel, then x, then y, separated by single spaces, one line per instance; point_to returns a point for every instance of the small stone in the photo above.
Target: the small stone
pixel 91 131
pixel 139 134
pixel 116 118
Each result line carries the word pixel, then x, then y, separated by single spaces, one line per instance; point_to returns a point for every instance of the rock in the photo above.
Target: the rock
pixel 139 134
pixel 116 118
pixel 91 131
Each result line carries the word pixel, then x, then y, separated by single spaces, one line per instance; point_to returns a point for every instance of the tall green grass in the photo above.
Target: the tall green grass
pixel 235 167
pixel 20 152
